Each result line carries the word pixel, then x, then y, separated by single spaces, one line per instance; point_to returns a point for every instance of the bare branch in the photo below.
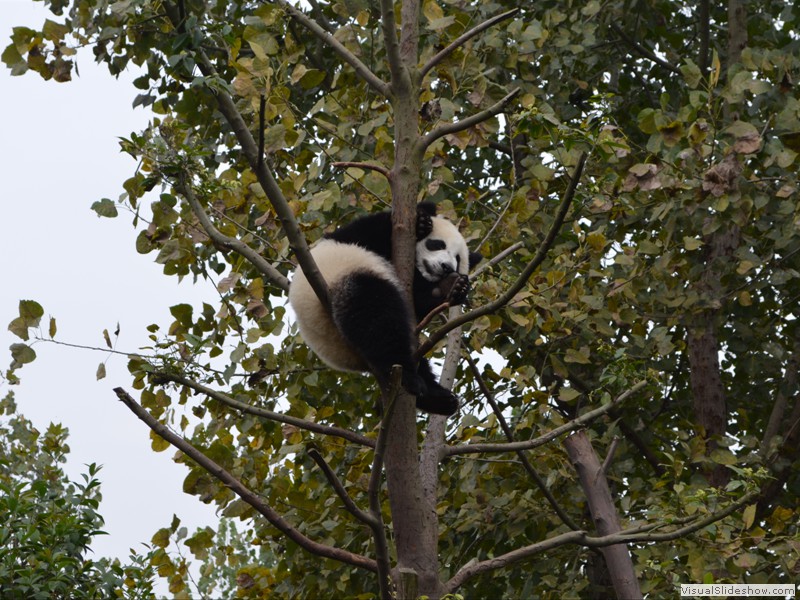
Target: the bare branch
pixel 496 259
pixel 362 165
pixel 345 434
pixel 451 128
pixel 580 537
pixel 390 40
pixel 464 38
pixel 576 423
pixel 540 483
pixel 275 519
pixel 541 253
pixel 337 486
pixel 220 239
pixel 250 149
pixel 641 50
pixel 271 188
pixel 351 59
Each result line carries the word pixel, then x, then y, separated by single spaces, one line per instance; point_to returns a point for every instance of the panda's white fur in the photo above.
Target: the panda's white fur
pixel 334 260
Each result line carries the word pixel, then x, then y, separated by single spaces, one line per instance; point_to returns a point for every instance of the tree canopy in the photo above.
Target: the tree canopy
pixel 629 171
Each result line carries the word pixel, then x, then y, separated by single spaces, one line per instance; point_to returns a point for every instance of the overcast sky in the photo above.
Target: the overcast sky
pixel 59 154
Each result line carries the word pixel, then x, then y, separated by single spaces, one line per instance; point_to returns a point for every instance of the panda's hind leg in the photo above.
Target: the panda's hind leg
pixel 375 320
pixel 434 398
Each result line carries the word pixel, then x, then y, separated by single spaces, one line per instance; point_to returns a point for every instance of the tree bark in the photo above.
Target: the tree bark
pixel 601 506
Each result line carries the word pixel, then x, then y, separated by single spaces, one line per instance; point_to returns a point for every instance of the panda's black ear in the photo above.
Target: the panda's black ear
pixel 428 208
pixel 474 259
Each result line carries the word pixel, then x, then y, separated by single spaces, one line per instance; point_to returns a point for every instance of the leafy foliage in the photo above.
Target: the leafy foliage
pixel 678 264
pixel 49 522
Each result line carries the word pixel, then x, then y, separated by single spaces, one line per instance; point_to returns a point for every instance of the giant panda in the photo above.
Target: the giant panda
pixel 370 326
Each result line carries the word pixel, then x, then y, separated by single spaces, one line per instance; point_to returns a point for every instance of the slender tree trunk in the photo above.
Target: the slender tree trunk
pixel 708 391
pixel 412 523
pixel 601 505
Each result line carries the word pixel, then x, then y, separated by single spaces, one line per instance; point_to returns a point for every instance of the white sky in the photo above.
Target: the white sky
pixel 59 153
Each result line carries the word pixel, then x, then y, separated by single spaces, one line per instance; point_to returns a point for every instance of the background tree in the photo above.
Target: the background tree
pixel 668 256
pixel 49 521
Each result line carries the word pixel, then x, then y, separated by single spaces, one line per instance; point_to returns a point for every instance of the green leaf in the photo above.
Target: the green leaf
pixel 105 208
pixel 30 313
pixel 691 73
pixel 53 31
pixel 22 354
pixel 161 537
pixel 157 443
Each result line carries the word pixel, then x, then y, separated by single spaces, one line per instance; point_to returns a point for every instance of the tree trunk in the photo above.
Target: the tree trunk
pixel 411 523
pixel 601 506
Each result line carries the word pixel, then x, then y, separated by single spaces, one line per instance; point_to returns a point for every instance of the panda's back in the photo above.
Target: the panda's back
pixel 337 262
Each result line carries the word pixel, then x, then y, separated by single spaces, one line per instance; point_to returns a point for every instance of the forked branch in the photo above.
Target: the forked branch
pixel 220 239
pixel 531 267
pixel 362 70
pixel 501 419
pixel 236 486
pixel 250 149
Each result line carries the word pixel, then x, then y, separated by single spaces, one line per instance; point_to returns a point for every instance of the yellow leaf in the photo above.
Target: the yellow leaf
pixel 691 243
pixel 716 68
pixel 432 10
pixel 745 299
pixel 157 443
pixel 749 516
pixel 744 267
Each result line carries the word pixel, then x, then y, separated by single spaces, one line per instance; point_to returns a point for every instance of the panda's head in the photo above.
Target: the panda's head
pixel 444 251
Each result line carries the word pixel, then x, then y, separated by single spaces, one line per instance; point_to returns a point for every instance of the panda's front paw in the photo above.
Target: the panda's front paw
pixel 459 291
pixel 424 225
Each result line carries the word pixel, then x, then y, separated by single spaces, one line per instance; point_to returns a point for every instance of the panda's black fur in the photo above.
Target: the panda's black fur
pixel 370 324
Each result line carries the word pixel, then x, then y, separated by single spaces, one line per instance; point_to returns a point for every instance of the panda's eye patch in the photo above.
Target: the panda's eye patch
pixel 434 245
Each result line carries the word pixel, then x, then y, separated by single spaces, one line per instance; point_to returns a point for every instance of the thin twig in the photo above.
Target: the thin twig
pixel 609 457
pixel 337 486
pixel 466 123
pixel 329 40
pixel 346 434
pixel 219 238
pixel 236 486
pixel 497 258
pixel 362 165
pixel 643 51
pixel 429 317
pixel 464 38
pixel 548 437
pixel 540 483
